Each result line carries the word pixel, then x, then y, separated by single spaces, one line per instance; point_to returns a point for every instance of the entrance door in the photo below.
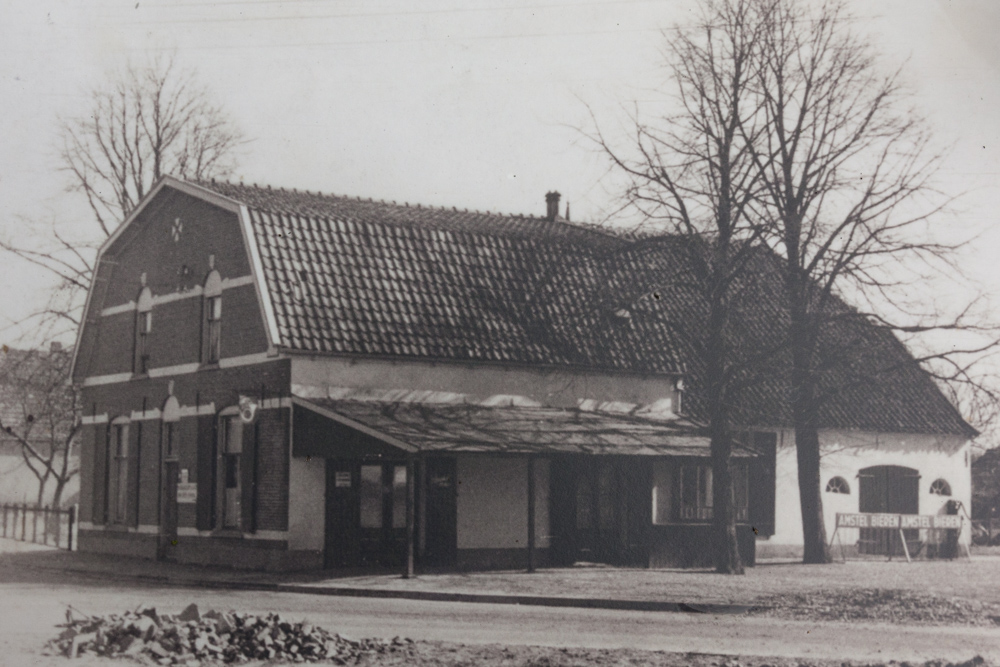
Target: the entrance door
pixel 341 539
pixel 440 524
pixel 892 490
pixel 595 511
pixel 611 514
pixel 382 513
pixel 365 514
pixel 168 510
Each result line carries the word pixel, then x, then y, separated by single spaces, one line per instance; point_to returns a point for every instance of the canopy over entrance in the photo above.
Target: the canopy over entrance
pixel 350 428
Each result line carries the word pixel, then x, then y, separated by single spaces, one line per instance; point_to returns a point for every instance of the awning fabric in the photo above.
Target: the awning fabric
pixel 449 427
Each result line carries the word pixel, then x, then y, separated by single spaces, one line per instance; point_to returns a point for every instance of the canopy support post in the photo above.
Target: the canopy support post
pixel 531 514
pixel 410 507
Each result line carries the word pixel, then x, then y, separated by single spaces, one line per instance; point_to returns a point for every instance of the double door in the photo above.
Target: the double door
pixel 600 510
pixel 890 490
pixel 366 513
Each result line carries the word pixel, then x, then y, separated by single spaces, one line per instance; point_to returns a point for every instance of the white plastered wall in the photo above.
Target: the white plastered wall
pixel 306 503
pixel 845 453
pixel 493 503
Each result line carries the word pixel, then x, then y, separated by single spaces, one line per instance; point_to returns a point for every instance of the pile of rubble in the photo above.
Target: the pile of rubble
pixel 190 637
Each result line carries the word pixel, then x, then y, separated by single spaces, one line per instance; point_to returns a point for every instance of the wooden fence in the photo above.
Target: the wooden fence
pixel 41 525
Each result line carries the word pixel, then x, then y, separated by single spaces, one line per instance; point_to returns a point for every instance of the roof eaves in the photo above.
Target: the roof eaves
pixel 612 370
pixel 264 299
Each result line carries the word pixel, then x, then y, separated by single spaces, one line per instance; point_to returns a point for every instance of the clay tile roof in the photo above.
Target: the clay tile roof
pixel 372 278
pixel 361 277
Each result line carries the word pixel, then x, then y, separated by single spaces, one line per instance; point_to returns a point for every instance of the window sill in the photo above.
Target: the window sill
pixel 140 376
pixel 228 533
pixel 118 527
pixel 209 366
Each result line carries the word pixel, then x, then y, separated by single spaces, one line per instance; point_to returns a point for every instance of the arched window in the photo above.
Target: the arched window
pixel 118 470
pixel 212 318
pixel 143 327
pixel 171 416
pixel 838 485
pixel 940 487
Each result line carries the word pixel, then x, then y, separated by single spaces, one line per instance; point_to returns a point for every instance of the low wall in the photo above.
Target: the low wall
pixel 236 553
pixel 680 545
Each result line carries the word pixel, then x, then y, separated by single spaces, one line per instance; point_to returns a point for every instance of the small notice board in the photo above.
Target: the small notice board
pixel 342 479
pixel 187 492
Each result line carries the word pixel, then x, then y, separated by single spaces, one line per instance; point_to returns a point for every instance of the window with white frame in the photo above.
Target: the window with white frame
pixel 696 491
pixel 940 487
pixel 212 330
pixel 663 492
pixel 213 322
pixel 171 417
pixel 682 491
pixel 838 485
pixel 143 327
pixel 118 472
pixel 230 470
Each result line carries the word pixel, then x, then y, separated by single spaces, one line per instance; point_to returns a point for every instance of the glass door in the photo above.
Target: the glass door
pixel 382 513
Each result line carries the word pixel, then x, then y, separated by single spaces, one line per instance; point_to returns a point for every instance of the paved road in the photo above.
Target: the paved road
pixel 28 612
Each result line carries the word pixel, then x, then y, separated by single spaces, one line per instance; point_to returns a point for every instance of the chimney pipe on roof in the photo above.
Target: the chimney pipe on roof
pixel 551 205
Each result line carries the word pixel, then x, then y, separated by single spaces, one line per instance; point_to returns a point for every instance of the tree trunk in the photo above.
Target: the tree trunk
pixel 725 549
pixel 40 501
pixel 805 421
pixel 725 544
pixel 57 496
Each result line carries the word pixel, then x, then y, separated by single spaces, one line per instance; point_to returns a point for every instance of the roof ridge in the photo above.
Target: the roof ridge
pixel 561 222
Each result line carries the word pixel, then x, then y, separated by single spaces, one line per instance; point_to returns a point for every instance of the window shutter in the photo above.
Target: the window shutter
pixel 761 482
pixel 248 503
pixel 134 468
pixel 207 444
pixel 102 439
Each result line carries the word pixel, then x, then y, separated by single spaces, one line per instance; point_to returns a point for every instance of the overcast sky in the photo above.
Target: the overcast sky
pixel 446 102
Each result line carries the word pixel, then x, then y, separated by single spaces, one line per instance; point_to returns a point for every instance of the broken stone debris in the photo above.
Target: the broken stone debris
pixel 191 636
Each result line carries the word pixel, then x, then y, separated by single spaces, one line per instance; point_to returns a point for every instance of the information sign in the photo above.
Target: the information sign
pixel 187 492
pixel 904 521
pixel 342 479
pixel 867 520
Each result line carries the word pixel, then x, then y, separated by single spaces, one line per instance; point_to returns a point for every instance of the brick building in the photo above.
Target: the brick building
pixel 283 379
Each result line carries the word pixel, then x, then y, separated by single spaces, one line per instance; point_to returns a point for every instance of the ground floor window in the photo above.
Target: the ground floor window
pixel 118 473
pixel 231 454
pixel 683 491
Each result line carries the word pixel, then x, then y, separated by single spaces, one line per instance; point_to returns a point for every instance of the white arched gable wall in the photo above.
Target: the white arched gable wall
pixel 845 453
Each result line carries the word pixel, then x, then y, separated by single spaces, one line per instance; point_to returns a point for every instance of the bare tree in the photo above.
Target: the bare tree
pixel 146 121
pixel 41 413
pixel 847 174
pixel 692 174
